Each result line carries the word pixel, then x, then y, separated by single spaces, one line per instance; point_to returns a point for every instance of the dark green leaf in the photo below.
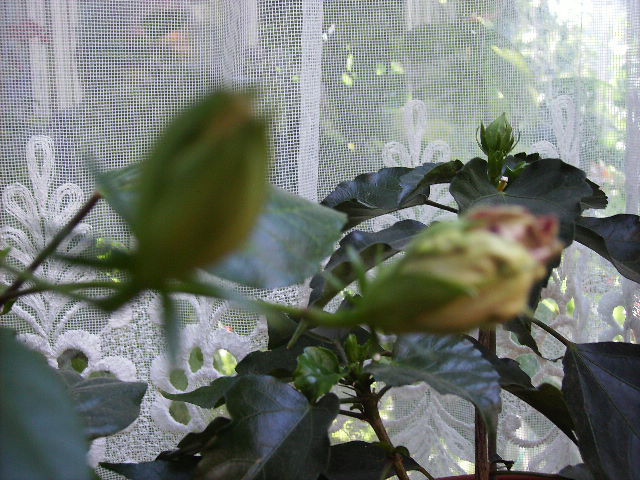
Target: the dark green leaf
pixel 69 376
pixel 193 442
pixel 280 328
pixel 291 238
pixel 576 472
pixel 513 160
pixel 547 186
pixel 546 398
pixel 373 247
pixel 210 396
pixel 448 363
pixel 388 190
pixel 423 176
pixel 8 305
pixel 275 434
pixel 598 199
pixel 317 372
pixel 602 387
pixel 521 327
pixel 616 238
pixel 179 469
pixel 40 433
pixel 362 461
pixel 279 362
pixel 107 405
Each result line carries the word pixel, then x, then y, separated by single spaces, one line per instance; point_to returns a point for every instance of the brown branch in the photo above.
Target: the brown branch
pixel 372 417
pixel 440 206
pixel 351 414
pixel 383 390
pixel 52 245
pixel 424 472
pixel 485 443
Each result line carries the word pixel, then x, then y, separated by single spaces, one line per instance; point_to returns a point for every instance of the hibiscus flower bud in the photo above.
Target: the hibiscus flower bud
pixel 537 233
pixel 460 275
pixel 496 141
pixel 497 137
pixel 201 188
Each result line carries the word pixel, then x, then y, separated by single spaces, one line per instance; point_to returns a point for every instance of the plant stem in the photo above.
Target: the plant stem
pixel 51 246
pixel 302 327
pixel 482 467
pixel 441 206
pixel 351 400
pixel 349 413
pixel 63 288
pixel 383 390
pixel 484 442
pixel 424 472
pixel 551 332
pixel 372 417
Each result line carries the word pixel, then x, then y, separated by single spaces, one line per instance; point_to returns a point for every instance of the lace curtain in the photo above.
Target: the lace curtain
pixel 350 87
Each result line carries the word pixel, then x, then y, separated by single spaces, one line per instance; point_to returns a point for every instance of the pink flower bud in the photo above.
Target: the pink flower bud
pixel 461 275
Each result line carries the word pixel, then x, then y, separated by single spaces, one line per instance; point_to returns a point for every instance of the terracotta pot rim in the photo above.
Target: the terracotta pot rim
pixel 509 476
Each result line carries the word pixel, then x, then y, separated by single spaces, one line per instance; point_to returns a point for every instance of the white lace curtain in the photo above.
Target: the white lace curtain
pixel 351 86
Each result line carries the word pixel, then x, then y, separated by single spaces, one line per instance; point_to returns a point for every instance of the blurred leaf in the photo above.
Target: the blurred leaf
pixel 293 439
pixel 317 372
pixel 107 405
pixel 448 363
pixel 546 186
pixel 616 238
pixel 209 396
pixel 8 305
pixel 362 461
pixel 602 389
pixel 120 189
pixel 40 433
pixel 388 190
pixel 373 248
pixel 514 57
pixel 179 469
pixel 291 238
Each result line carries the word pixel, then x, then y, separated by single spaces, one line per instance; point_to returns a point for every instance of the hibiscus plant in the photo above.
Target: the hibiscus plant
pixel 372 322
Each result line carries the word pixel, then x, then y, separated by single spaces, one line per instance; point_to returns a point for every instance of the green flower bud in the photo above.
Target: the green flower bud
pixel 355 352
pixel 201 188
pixel 496 141
pixel 497 137
pixel 461 275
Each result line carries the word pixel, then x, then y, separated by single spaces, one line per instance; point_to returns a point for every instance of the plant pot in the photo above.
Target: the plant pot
pixel 510 476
